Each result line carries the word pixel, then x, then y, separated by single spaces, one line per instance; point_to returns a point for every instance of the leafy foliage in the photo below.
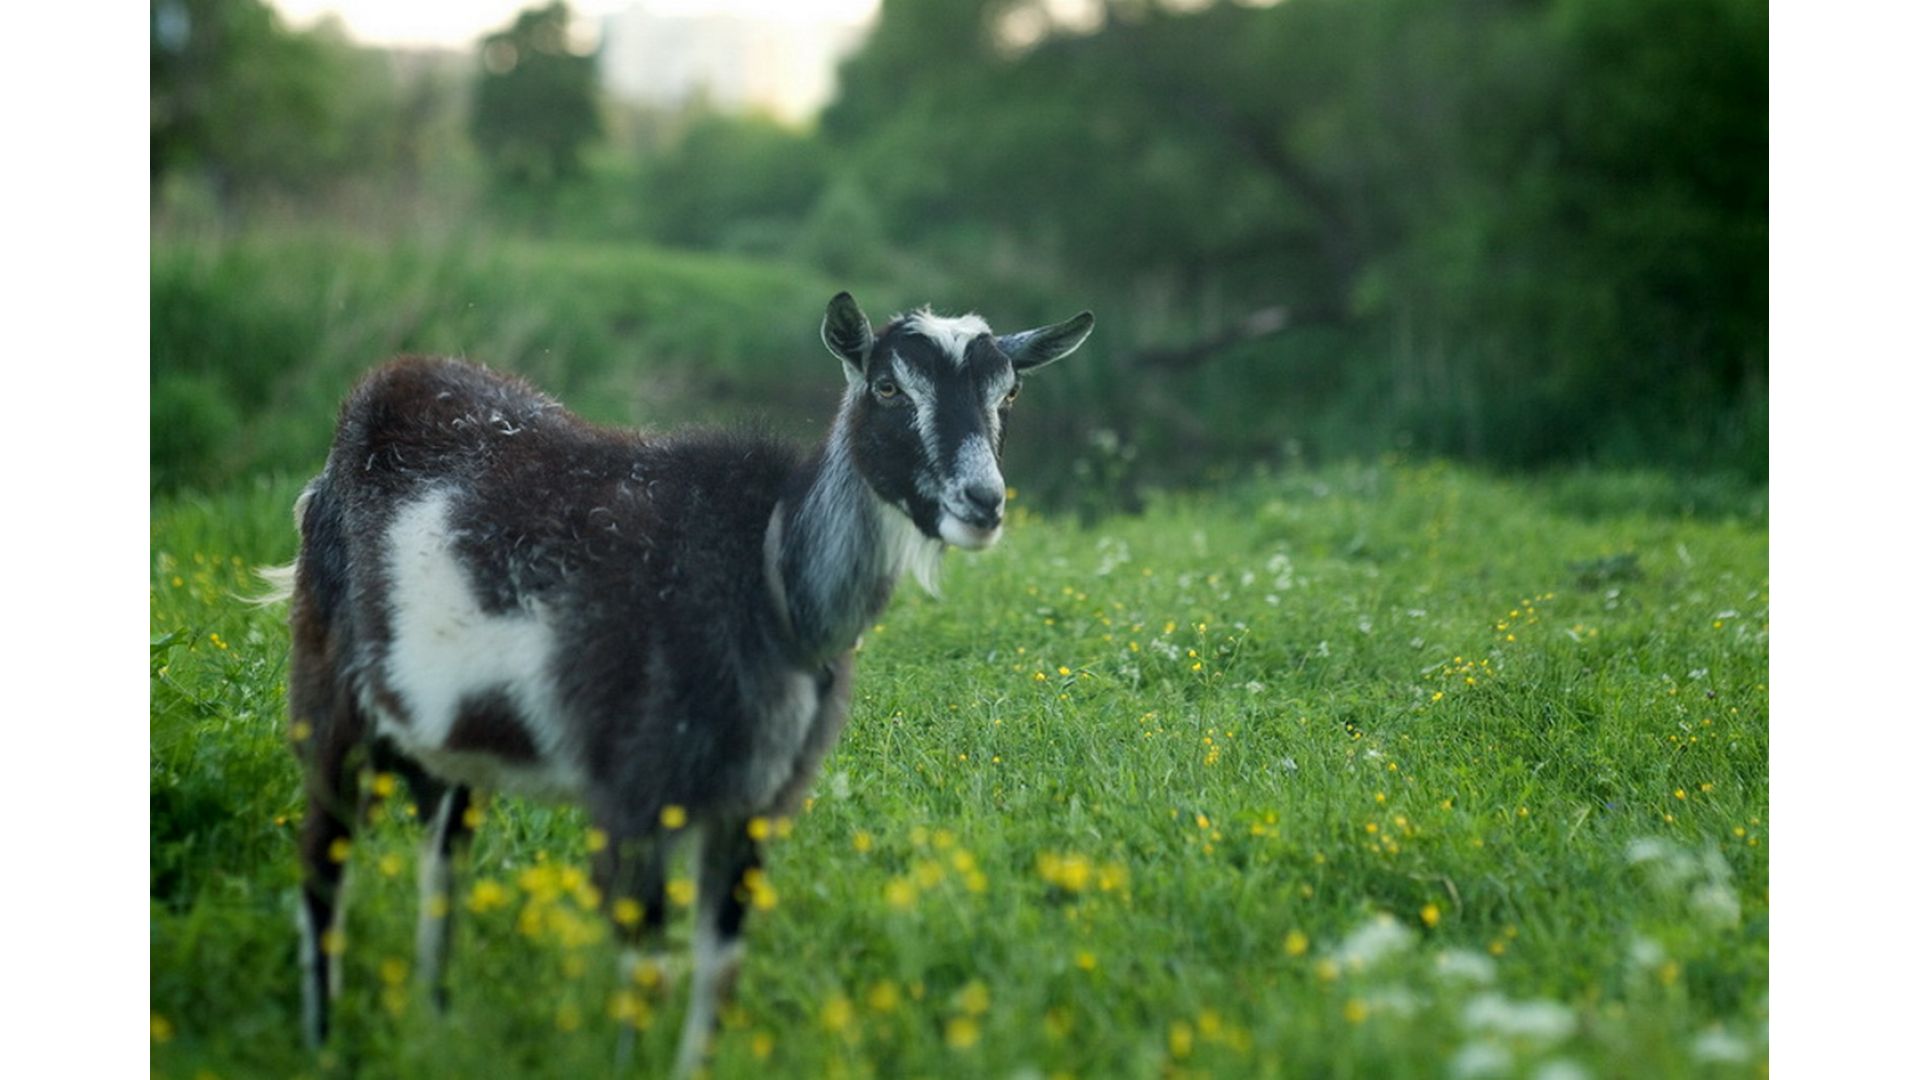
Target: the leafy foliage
pixel 250 105
pixel 536 103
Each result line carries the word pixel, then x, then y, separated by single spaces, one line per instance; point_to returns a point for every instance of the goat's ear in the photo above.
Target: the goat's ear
pixel 847 334
pixel 1030 349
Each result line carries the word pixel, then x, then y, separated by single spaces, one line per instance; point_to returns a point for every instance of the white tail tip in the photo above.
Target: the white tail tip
pixel 279 585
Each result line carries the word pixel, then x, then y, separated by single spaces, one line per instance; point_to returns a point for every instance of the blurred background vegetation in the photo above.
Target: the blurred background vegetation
pixel 1529 234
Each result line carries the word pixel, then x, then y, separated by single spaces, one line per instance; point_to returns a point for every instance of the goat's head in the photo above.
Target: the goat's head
pixel 927 406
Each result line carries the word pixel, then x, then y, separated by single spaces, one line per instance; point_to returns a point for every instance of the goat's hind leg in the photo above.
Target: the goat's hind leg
pixel 448 836
pixel 727 856
pixel 325 739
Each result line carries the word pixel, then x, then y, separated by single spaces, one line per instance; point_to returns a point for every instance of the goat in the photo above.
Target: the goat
pixel 493 594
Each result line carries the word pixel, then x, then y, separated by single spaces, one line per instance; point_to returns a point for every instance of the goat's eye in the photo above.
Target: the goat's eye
pixel 886 388
pixel 1011 394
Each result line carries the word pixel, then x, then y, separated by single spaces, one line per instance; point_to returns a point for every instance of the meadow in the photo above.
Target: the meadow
pixel 1388 769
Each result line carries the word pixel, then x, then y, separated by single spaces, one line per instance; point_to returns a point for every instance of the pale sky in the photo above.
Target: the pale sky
pixel 458 23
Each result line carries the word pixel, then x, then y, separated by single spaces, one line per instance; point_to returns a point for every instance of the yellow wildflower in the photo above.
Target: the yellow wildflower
pixel 627 911
pixel 973 998
pixel 962 1032
pixel 837 1013
pixel 1180 1039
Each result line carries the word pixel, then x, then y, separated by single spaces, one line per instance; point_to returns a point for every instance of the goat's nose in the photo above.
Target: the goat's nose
pixel 984 500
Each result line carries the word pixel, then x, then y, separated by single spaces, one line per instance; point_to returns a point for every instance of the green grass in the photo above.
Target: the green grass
pixel 1131 800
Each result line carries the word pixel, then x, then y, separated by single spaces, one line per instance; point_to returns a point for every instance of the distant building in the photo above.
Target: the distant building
pixel 784 66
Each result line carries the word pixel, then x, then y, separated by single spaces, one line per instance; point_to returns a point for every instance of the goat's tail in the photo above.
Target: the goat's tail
pixel 278 580
pixel 278 583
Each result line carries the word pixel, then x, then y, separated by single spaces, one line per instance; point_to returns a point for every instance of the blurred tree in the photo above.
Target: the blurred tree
pixel 735 182
pixel 249 105
pixel 536 103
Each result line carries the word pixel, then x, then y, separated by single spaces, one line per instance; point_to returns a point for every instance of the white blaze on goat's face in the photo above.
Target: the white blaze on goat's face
pixel 958 388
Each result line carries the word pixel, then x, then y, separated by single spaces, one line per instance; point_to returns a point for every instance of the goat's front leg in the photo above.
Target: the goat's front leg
pixel 727 856
pixel 631 874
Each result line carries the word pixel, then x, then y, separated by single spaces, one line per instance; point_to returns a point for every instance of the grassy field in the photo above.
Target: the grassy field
pixel 1397 770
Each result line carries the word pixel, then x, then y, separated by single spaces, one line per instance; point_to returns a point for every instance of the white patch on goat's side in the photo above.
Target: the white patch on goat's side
pixel 950 334
pixel 444 649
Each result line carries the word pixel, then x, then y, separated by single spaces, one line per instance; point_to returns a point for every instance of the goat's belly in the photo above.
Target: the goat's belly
pixel 540 780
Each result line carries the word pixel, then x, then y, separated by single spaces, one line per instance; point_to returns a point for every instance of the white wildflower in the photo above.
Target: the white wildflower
pixel 1718 1045
pixel 1647 849
pixel 1559 1069
pixel 1465 966
pixel 1645 953
pixel 1543 1021
pixel 1373 941
pixel 1393 1001
pixel 1481 1059
pixel 1281 567
pixel 1717 905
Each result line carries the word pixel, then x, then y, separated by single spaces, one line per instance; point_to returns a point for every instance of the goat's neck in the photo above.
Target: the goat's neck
pixel 835 551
